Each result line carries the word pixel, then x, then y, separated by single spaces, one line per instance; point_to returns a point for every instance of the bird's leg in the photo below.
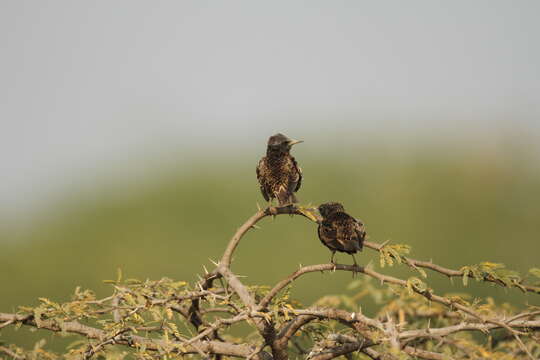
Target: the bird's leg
pixel 355 265
pixel 270 204
pixel 332 260
pixel 291 209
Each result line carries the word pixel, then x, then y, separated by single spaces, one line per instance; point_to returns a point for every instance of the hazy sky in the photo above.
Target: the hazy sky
pixel 87 84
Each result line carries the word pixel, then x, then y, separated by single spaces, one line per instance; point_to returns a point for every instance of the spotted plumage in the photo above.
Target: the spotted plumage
pixel 278 173
pixel 339 231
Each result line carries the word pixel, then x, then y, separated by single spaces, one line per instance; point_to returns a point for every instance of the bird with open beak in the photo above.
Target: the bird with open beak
pixel 278 173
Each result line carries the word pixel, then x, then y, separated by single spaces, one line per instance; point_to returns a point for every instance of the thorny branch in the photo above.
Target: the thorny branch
pixel 138 310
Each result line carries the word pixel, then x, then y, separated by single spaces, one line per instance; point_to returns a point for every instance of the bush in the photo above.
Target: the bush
pixel 171 319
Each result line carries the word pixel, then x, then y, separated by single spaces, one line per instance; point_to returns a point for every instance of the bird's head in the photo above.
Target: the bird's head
pixel 281 143
pixel 330 208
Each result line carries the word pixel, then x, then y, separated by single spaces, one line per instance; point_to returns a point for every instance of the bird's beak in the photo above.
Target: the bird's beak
pixel 294 142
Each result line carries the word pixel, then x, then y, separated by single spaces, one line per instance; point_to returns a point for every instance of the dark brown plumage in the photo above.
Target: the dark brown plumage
pixel 278 173
pixel 339 231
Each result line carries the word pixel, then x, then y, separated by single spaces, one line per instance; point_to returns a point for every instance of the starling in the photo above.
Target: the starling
pixel 339 231
pixel 278 173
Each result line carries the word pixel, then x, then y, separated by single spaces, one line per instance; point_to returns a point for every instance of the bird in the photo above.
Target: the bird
pixel 278 173
pixel 339 231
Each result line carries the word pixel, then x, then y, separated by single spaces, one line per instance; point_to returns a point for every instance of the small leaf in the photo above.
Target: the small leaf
pixel 466 272
pixel 118 275
pixel 535 272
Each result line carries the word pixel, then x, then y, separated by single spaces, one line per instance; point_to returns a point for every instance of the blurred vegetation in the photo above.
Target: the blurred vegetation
pixel 455 208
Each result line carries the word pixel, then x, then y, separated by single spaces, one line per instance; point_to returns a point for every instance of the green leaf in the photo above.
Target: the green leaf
pixel 37 316
pixel 466 272
pixel 535 272
pixel 118 275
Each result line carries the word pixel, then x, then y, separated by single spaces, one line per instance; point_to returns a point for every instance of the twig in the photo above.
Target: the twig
pixel 8 352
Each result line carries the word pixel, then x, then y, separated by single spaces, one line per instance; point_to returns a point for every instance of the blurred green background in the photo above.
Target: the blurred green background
pixel 130 132
pixel 456 208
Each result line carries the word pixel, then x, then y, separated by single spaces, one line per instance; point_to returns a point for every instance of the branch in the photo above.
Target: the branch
pixel 383 278
pixel 294 325
pixel 467 326
pixel 237 286
pixel 226 259
pixel 223 268
pixel 363 346
pixel 343 316
pixel 10 353
pixel 334 352
pixel 446 271
pixel 210 347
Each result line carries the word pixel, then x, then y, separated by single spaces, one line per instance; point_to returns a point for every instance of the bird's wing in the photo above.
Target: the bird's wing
pixel 360 232
pixel 297 175
pixel 346 232
pixel 260 178
pixel 327 234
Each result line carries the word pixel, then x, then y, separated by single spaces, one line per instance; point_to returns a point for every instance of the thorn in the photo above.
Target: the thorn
pixel 213 262
pixel 205 269
pixel 353 315
pixel 256 227
pixel 258 206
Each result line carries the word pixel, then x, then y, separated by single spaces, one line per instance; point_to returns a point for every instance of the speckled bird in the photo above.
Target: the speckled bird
pixel 339 231
pixel 278 173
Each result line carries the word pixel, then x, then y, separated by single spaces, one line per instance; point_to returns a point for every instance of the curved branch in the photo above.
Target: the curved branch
pixel 250 223
pixel 226 259
pixel 303 270
pixel 293 326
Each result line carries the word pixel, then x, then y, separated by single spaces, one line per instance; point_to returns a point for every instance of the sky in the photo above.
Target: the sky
pixel 90 86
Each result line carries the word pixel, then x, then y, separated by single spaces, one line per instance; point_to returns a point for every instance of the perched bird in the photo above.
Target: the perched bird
pixel 278 173
pixel 339 231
